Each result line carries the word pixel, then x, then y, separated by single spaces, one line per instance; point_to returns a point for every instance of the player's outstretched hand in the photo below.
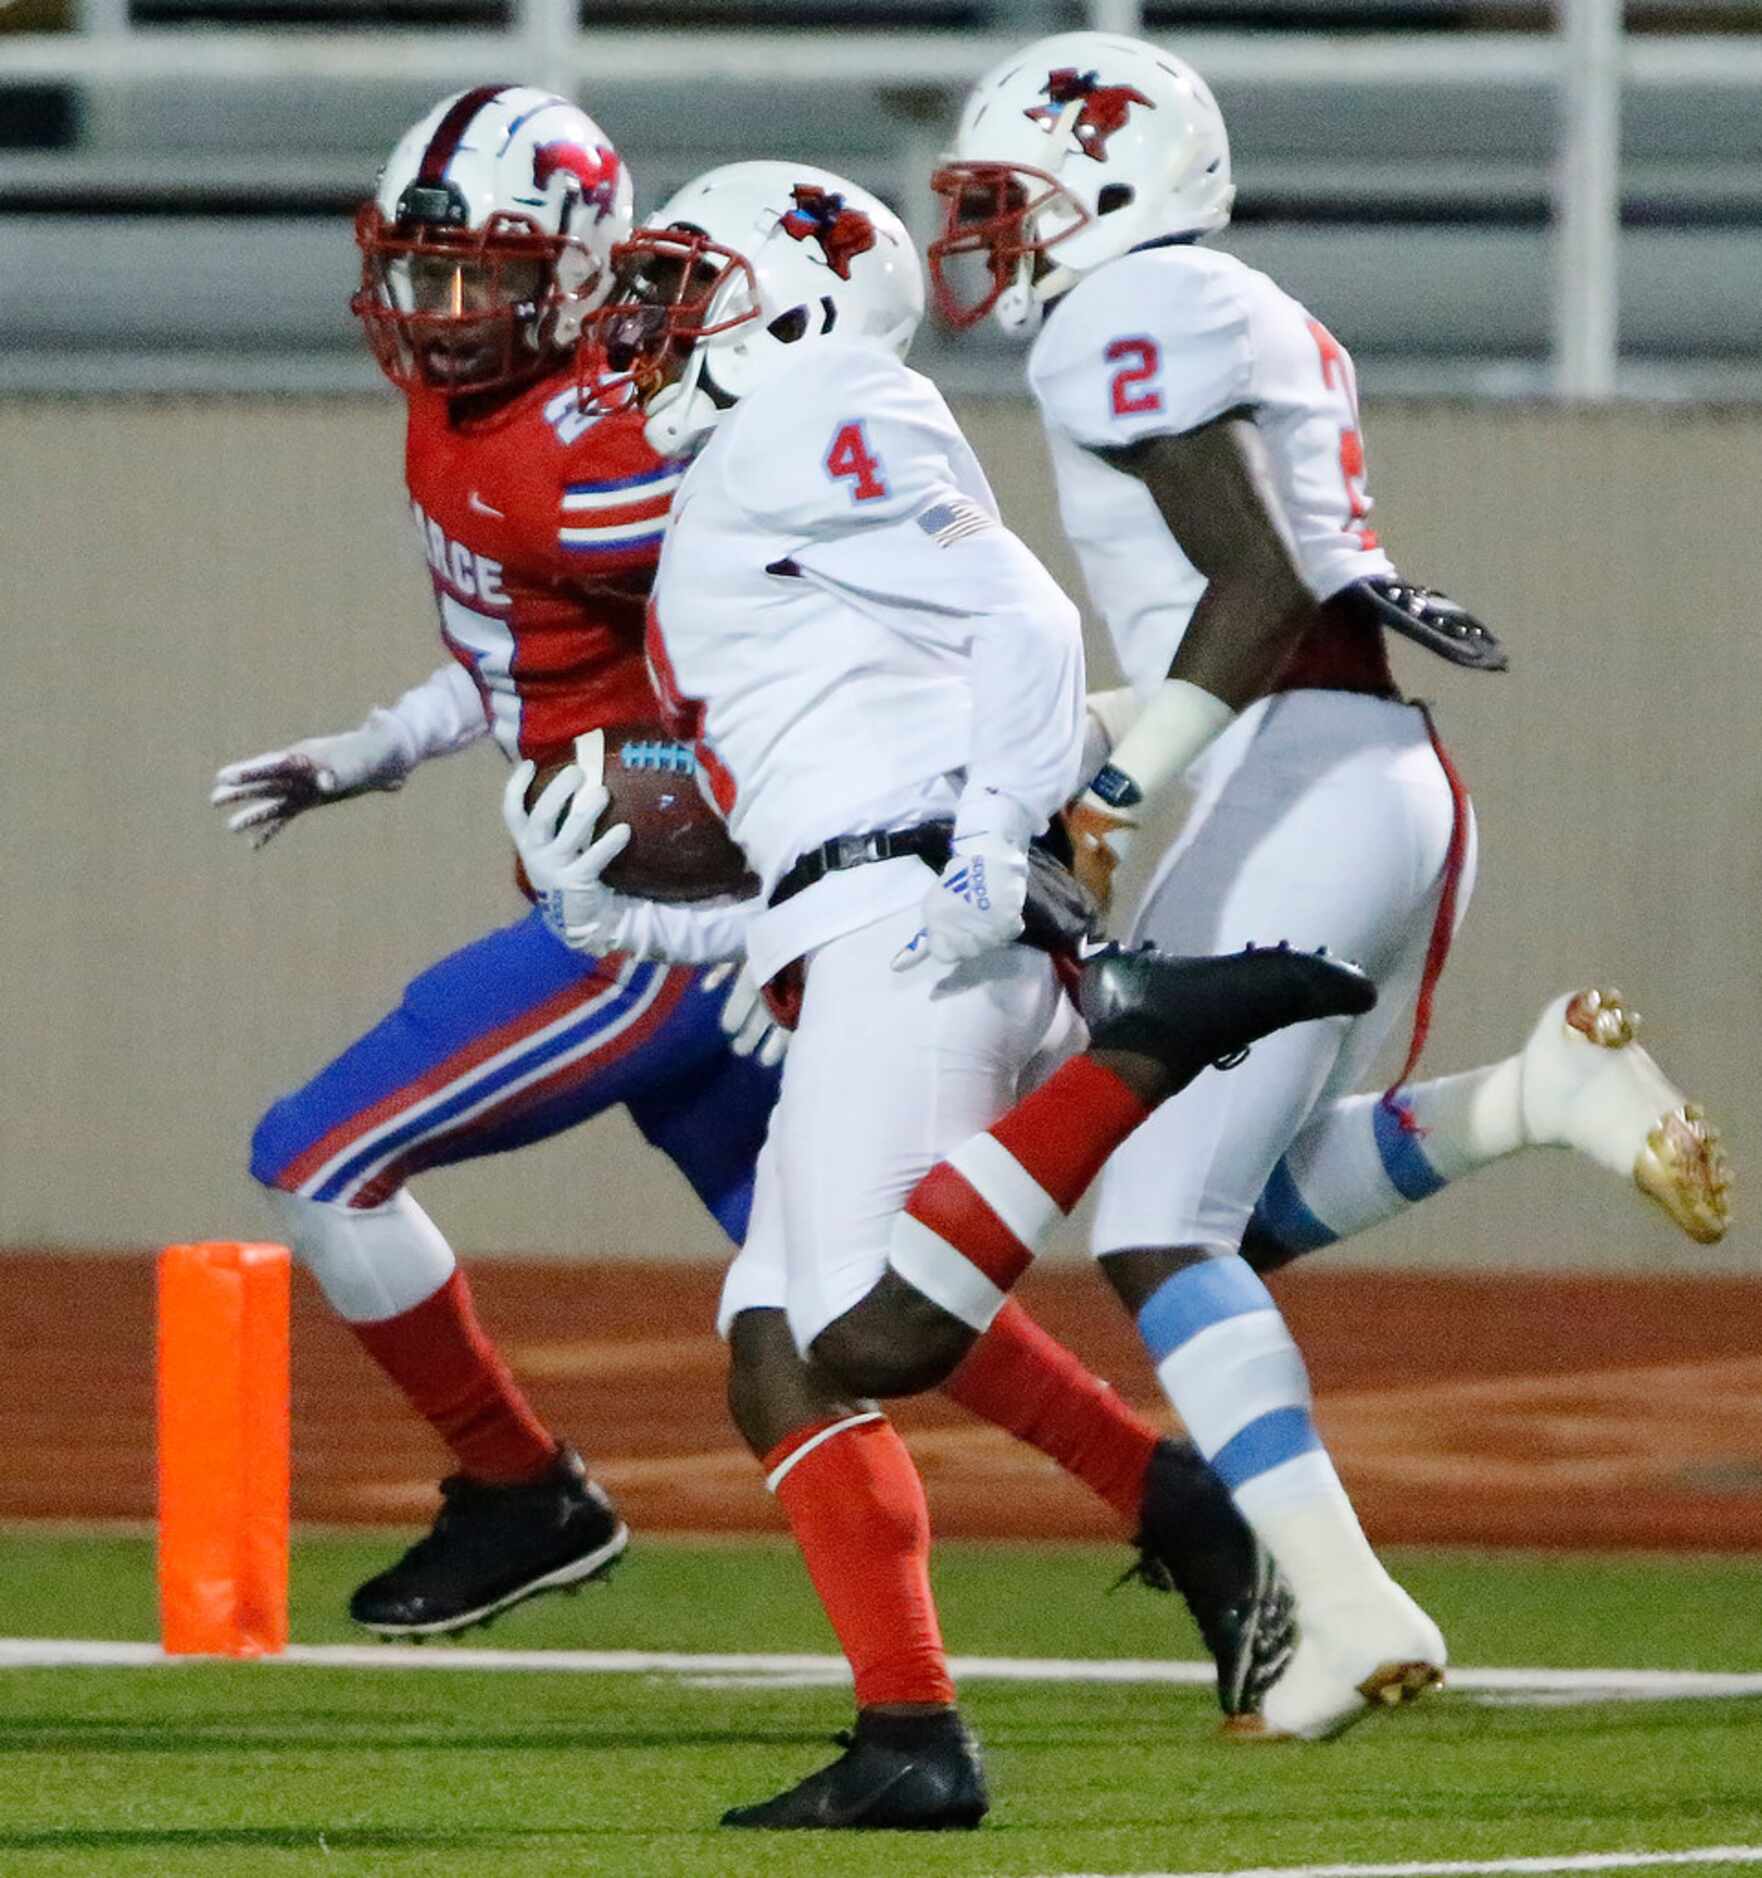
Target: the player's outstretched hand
pixel 562 855
pixel 266 792
pixel 746 1019
pixel 974 905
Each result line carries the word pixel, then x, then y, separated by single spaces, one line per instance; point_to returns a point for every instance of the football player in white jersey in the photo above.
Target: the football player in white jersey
pixel 885 691
pixel 541 521
pixel 1204 435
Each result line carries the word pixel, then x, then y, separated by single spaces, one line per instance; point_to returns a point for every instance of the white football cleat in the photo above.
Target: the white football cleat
pixel 1586 1084
pixel 1352 1659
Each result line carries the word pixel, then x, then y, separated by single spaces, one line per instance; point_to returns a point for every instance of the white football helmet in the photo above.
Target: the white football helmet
pixel 489 239
pixel 742 265
pixel 1069 154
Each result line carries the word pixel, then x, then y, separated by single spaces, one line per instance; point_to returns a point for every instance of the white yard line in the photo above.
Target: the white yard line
pixel 1466 1868
pixel 782 1671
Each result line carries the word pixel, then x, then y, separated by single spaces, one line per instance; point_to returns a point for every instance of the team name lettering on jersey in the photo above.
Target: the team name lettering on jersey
pixel 471 575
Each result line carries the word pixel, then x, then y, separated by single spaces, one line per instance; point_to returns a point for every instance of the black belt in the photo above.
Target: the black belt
pixel 929 841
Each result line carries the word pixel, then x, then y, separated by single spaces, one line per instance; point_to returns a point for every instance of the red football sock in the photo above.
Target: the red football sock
pixel 441 1357
pixel 1064 1132
pixel 856 1506
pixel 1027 1383
pixel 972 1225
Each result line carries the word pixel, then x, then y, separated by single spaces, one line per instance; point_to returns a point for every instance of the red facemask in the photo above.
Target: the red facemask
pixel 667 280
pixel 488 317
pixel 986 214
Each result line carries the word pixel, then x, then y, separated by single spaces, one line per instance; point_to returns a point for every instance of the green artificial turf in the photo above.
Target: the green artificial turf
pixel 255 1768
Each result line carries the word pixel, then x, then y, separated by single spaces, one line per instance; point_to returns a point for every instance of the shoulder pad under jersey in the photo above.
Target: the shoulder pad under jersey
pixel 615 496
pixel 1153 344
pixel 853 439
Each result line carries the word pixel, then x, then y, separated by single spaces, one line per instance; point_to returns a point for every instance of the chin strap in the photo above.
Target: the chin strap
pixel 681 413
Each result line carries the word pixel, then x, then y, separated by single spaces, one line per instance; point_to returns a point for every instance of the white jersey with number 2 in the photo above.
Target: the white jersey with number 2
pixel 853 637
pixel 1160 342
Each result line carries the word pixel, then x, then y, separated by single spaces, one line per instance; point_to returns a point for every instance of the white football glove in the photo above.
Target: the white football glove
pixel 280 784
pixel 562 857
pixel 975 904
pixel 746 1018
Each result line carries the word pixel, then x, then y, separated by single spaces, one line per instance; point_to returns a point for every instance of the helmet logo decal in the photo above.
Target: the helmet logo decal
pixel 596 171
pixel 820 215
pixel 1105 107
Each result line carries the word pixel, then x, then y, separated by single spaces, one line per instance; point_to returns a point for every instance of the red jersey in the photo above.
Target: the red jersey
pixel 542 526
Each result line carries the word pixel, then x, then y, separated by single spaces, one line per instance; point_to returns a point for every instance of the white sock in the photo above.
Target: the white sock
pixel 371 1263
pixel 1359 1162
pixel 1305 1520
pixel 1232 1373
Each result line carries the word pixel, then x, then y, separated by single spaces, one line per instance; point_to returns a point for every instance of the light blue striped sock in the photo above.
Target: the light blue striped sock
pixel 1232 1373
pixel 1357 1163
pixel 1230 1369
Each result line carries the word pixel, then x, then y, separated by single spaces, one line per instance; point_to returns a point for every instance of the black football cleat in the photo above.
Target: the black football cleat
pixel 1429 619
pixel 494 1546
pixel 911 1773
pixel 1185 1013
pixel 1191 1539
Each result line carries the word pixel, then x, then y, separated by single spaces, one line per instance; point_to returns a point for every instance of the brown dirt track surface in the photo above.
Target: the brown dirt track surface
pixel 1527 1410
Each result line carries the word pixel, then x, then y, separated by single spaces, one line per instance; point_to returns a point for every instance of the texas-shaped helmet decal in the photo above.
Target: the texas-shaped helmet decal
pixel 596 171
pixel 820 215
pixel 1105 107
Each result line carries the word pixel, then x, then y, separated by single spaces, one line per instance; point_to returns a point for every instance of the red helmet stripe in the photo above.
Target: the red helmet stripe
pixel 450 132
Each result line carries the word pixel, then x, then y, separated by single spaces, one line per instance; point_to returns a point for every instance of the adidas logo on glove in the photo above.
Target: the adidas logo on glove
pixel 968 883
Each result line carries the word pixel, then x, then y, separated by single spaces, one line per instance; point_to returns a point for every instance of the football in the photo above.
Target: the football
pixel 679 851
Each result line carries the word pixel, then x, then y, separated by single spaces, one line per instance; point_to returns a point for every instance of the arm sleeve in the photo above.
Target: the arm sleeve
pixel 1128 358
pixel 891 515
pixel 442 714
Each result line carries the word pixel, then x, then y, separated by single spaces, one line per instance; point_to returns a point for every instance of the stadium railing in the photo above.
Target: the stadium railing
pixel 1451 181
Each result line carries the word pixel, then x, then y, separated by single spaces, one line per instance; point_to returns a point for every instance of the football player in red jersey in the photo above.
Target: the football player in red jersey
pixel 485 244
pixel 541 520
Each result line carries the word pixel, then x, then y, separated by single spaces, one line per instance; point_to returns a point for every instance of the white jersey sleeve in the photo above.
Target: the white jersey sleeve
pixel 1117 362
pixel 442 714
pixel 860 441
pixel 706 934
pixel 891 515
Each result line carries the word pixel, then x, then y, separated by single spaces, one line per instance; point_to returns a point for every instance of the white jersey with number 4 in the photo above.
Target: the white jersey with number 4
pixel 853 638
pixel 1160 342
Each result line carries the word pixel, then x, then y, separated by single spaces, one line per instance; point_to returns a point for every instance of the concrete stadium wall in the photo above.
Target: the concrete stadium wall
pixel 185 582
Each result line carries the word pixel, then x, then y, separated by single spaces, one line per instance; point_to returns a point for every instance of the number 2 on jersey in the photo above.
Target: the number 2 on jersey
pixel 851 456
pixel 1338 375
pixel 1132 390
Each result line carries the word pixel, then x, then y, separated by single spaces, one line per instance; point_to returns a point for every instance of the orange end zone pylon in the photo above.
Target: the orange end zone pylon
pixel 223 1449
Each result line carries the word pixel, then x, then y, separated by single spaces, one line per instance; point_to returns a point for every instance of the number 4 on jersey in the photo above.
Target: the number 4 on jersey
pixel 851 456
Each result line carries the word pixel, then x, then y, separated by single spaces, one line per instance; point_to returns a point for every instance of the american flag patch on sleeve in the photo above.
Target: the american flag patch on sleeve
pixel 948 522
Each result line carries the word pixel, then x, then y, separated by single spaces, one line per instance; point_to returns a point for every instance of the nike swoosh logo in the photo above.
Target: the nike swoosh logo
pixel 849 1815
pixel 475 501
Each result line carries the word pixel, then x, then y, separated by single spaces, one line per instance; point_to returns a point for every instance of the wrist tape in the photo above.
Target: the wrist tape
pixel 1175 726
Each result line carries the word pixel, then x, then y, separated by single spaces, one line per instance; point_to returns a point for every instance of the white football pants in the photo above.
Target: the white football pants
pixel 887 1073
pixel 1323 817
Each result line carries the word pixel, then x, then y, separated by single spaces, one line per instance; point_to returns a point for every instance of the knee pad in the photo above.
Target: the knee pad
pixel 371 1263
